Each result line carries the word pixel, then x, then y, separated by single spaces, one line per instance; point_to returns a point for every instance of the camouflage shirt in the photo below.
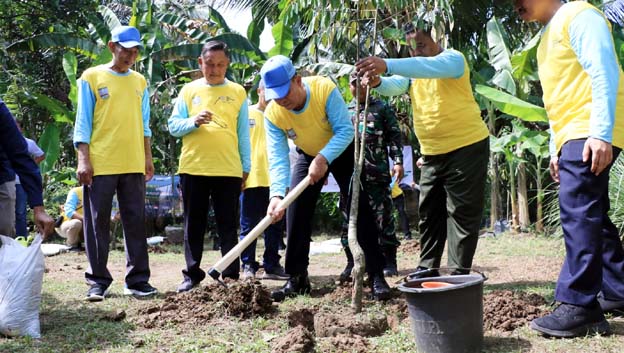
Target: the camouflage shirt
pixel 382 134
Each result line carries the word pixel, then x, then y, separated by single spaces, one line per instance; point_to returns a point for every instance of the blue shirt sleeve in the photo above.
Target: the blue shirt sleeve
pixel 591 40
pixel 244 145
pixel 393 86
pixel 279 162
pixel 71 203
pixel 179 122
pixel 14 146
pixel 552 147
pixel 338 116
pixel 145 110
pixel 447 64
pixel 84 113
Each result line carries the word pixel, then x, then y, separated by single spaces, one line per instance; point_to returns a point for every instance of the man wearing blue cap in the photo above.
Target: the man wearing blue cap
pixel 311 112
pixel 112 137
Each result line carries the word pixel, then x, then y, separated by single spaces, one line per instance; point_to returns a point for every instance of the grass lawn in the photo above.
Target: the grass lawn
pixel 69 324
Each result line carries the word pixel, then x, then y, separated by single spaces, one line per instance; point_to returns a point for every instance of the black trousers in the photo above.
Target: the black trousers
pixel 299 215
pixel 196 193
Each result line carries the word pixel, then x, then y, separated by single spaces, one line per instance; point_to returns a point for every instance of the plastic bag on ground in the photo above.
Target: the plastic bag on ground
pixel 21 278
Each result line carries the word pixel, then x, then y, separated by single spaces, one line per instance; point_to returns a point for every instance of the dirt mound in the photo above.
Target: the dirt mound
pixel 342 343
pixel 410 247
pixel 341 292
pixel 506 310
pixel 345 323
pixel 302 317
pixel 396 309
pixel 297 339
pixel 241 299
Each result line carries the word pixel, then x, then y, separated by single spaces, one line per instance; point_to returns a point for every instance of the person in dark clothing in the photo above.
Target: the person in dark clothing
pixel 14 158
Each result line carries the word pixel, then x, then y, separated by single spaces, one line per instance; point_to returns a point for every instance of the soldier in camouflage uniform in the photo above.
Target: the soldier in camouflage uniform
pixel 382 134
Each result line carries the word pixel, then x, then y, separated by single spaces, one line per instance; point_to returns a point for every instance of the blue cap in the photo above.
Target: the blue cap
pixel 126 36
pixel 276 74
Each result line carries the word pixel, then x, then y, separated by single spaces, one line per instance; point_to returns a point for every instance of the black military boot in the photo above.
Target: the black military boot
pixel 345 276
pixel 380 290
pixel 390 269
pixel 297 284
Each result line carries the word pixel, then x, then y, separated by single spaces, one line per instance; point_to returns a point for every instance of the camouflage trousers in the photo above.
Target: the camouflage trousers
pixel 383 210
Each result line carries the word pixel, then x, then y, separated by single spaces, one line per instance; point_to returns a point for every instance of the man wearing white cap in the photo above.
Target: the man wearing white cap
pixel 112 137
pixel 311 112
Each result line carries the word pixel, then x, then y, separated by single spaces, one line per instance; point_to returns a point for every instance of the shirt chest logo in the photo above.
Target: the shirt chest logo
pixel 103 93
pixel 196 100
pixel 291 134
pixel 224 99
pixel 252 123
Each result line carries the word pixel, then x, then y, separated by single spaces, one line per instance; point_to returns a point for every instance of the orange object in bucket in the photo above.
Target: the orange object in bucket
pixel 430 285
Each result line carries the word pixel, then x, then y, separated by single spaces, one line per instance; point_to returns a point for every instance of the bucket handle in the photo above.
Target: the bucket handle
pixel 425 271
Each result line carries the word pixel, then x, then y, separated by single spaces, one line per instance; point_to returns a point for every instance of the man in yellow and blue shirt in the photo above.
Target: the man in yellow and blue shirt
pixel 311 112
pixel 255 200
pixel 112 137
pixel 454 144
pixel 210 115
pixel 583 92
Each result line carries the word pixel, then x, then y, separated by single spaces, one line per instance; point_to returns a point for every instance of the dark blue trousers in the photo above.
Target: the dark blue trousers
pixel 254 204
pixel 21 212
pixel 594 256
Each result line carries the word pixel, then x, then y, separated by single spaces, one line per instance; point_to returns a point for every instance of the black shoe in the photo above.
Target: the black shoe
pixel 459 272
pixel 141 289
pixel 407 236
pixel 298 284
pixel 610 306
pixel 187 285
pixel 380 290
pixel 569 320
pixel 275 272
pixel 423 272
pixel 390 269
pixel 345 275
pixel 96 293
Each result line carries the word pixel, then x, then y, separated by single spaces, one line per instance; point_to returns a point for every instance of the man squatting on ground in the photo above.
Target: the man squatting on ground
pixel 583 92
pixel 311 112
pixel 210 115
pixel 15 159
pixel 454 144
pixel 382 134
pixel 112 136
pixel 255 200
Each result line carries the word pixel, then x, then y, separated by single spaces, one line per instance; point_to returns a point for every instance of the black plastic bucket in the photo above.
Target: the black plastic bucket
pixel 447 319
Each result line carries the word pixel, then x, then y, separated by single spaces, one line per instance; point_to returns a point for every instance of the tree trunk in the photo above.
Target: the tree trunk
pixel 523 202
pixel 514 200
pixel 539 224
pixel 494 177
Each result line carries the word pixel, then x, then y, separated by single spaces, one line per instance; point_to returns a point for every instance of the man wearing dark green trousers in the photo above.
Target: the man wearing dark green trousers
pixel 454 144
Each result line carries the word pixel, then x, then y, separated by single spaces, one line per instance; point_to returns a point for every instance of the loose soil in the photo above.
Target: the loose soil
pixel 344 322
pixel 302 317
pixel 344 343
pixel 241 300
pixel 409 247
pixel 297 339
pixel 506 310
